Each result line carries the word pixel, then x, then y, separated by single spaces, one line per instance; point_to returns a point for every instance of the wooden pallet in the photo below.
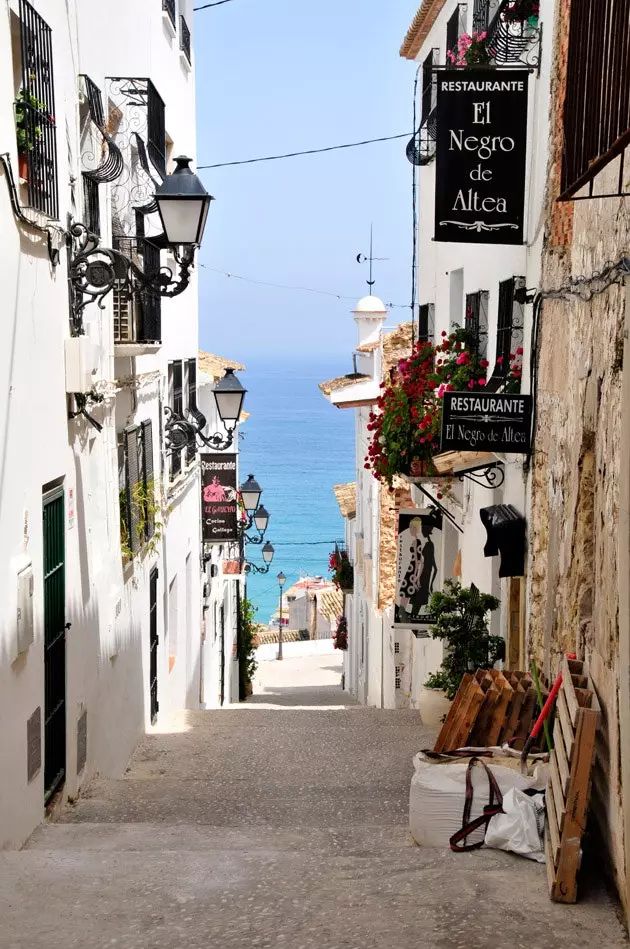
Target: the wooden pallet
pixel 568 788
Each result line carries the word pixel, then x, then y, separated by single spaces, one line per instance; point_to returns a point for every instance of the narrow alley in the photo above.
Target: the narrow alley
pixel 282 822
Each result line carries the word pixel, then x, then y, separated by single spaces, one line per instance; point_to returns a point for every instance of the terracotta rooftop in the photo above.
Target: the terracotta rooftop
pixel 346 495
pixel 330 603
pixel 214 365
pixel 419 29
pixel 341 382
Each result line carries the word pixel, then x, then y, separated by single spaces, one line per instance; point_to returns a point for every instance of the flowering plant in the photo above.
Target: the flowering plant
pixel 520 10
pixel 29 114
pixel 341 569
pixel 471 51
pixel 514 375
pixel 340 636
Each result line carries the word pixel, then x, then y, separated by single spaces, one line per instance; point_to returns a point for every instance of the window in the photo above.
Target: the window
pixel 397 679
pixel 168 6
pixel 597 102
pixel 421 148
pixel 138 318
pixel 481 16
pixel 476 321
pixel 156 128
pixel 191 450
pixel 510 322
pixel 429 85
pixel 176 400
pixel 455 27
pixel 184 38
pixel 35 113
pixel 137 487
pixel 91 205
pixel 426 322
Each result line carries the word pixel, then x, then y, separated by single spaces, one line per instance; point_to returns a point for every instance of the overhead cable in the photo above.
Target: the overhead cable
pixel 217 3
pixel 310 151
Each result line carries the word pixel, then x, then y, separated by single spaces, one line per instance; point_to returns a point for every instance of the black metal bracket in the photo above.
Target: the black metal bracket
pixel 180 433
pixel 486 476
pixel 53 252
pixel 447 514
pixel 254 568
pixel 82 401
pixel 94 271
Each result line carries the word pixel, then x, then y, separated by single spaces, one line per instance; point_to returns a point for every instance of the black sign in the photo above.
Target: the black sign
pixel 480 156
pixel 218 498
pixel 485 421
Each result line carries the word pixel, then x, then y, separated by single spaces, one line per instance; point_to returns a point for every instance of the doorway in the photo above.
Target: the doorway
pixel 54 642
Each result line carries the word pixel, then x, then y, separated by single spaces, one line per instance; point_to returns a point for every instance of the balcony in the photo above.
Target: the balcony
pixel 137 320
pixel 184 39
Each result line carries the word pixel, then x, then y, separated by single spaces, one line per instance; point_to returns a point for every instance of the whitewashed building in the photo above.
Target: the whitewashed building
pixel 100 562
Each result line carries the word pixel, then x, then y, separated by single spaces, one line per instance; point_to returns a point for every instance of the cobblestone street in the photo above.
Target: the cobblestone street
pixel 279 823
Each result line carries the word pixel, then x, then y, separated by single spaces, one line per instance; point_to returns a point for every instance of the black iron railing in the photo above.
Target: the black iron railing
pixel 191 450
pixel 91 205
pixel 168 6
pixel 184 38
pixel 455 27
pixel 426 313
pixel 476 321
pixel 597 102
pixel 35 113
pixel 156 128
pixel 111 163
pixel 138 319
pixel 510 328
pixel 421 148
pixel 177 405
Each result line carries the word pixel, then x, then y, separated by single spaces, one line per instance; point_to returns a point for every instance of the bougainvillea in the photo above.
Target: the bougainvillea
pixel 341 569
pixel 471 51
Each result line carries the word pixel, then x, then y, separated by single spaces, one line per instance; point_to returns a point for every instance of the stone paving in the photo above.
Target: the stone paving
pixel 281 823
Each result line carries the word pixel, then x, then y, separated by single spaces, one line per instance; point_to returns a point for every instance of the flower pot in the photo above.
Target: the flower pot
pixel 433 706
pixel 23 166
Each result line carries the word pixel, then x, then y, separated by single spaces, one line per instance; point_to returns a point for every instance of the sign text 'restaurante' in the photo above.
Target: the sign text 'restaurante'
pixel 480 157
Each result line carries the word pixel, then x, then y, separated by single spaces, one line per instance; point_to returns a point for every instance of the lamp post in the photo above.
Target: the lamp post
pixel 281 582
pixel 182 432
pixel 267 556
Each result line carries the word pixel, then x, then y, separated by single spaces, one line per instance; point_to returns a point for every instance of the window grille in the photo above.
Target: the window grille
pixel 191 450
pixel 168 6
pixel 175 371
pixel 429 85
pixel 91 205
pixel 455 27
pixel 397 679
pixel 137 487
pixel 156 128
pixel 510 322
pixel 421 148
pixel 481 16
pixel 146 429
pixel 396 647
pixel 477 321
pixel 111 164
pixel 138 319
pixel 597 101
pixel 426 320
pixel 35 112
pixel 184 38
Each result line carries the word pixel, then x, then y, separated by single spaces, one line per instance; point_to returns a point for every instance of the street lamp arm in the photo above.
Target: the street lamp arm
pixel 254 568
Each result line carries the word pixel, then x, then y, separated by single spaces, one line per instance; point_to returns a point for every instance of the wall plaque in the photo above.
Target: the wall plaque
pixel 480 155
pixel 486 421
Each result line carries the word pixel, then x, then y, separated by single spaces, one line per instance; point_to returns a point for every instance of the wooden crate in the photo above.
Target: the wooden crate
pixel 568 789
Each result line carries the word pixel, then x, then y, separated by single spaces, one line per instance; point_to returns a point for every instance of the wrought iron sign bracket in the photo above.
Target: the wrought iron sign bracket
pixel 486 476
pixel 94 271
pixel 447 514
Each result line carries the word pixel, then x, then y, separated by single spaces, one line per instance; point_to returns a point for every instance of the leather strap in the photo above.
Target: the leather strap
pixel 492 807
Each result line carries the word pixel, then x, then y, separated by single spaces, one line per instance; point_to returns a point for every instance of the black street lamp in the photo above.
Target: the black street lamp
pixel 281 582
pixel 229 395
pixel 180 432
pixel 250 494
pixel 94 271
pixel 267 555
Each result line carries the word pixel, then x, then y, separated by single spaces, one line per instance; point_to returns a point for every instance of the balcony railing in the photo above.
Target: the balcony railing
pixel 138 319
pixel 168 6
pixel 455 27
pixel 184 38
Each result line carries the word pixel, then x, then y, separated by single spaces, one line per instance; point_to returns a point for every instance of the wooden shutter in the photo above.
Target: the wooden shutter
pixel 148 477
pixel 133 480
pixel 191 450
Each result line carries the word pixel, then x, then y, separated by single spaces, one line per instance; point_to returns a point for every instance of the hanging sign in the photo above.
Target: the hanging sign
pixel 484 421
pixel 418 568
pixel 480 155
pixel 218 498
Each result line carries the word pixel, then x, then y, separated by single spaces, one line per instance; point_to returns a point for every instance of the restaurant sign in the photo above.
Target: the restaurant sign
pixel 480 156
pixel 219 503
pixel 484 421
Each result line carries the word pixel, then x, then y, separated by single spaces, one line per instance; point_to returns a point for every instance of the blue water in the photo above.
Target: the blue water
pixel 298 446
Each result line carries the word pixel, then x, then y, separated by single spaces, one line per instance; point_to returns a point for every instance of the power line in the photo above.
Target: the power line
pixel 217 3
pixel 310 151
pixel 282 286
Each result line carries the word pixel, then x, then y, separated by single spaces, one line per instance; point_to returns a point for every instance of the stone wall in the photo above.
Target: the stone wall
pixel 574 587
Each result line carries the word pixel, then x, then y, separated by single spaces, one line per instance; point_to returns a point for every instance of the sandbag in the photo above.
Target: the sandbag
pixel 438 794
pixel 521 826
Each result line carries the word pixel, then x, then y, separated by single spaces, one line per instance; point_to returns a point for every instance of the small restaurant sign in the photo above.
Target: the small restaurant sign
pixel 418 568
pixel 480 421
pixel 480 155
pixel 219 503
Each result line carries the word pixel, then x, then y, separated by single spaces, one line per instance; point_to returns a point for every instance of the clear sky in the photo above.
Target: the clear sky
pixel 284 75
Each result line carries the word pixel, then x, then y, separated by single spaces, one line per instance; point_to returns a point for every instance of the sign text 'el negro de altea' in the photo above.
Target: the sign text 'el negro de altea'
pixel 484 421
pixel 480 155
pixel 218 497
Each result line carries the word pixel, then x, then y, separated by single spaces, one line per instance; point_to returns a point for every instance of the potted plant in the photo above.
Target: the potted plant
pixel 342 570
pixel 462 624
pixel 30 112
pixel 471 51
pixel 340 636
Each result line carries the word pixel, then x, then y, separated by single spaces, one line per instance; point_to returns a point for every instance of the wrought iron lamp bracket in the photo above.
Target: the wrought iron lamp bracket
pixel 254 568
pixel 83 400
pixel 179 433
pixel 486 476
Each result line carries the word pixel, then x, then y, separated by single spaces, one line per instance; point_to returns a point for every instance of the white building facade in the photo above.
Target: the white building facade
pixel 101 629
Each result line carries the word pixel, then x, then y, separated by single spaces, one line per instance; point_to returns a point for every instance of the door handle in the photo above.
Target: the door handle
pixel 68 625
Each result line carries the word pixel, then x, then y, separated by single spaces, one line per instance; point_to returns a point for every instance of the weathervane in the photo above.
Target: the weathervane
pixel 361 259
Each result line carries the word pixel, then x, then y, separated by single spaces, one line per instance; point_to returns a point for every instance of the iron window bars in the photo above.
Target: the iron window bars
pixel 35 112
pixel 177 406
pixel 184 39
pixel 168 6
pixel 426 322
pixel 191 448
pixel 156 128
pixel 111 165
pixel 455 27
pixel 137 485
pixel 139 315
pixel 421 148
pixel 91 204
pixel 596 120
pixel 508 39
pixel 476 321
pixel 510 328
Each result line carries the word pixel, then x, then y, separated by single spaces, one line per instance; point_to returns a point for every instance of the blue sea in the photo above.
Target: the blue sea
pixel 298 446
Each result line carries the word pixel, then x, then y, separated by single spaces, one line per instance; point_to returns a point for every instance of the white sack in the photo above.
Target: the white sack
pixel 521 828
pixel 438 793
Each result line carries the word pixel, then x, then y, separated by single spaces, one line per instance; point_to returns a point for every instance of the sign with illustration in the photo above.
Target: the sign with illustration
pixel 485 421
pixel 480 156
pixel 418 567
pixel 219 502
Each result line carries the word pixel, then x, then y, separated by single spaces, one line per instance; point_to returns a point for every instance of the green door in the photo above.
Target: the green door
pixel 54 643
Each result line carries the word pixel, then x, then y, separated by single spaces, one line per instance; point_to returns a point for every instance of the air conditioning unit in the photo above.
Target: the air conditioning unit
pixel 81 364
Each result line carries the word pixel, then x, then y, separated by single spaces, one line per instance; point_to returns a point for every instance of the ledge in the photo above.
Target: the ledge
pixel 457 462
pixel 136 349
